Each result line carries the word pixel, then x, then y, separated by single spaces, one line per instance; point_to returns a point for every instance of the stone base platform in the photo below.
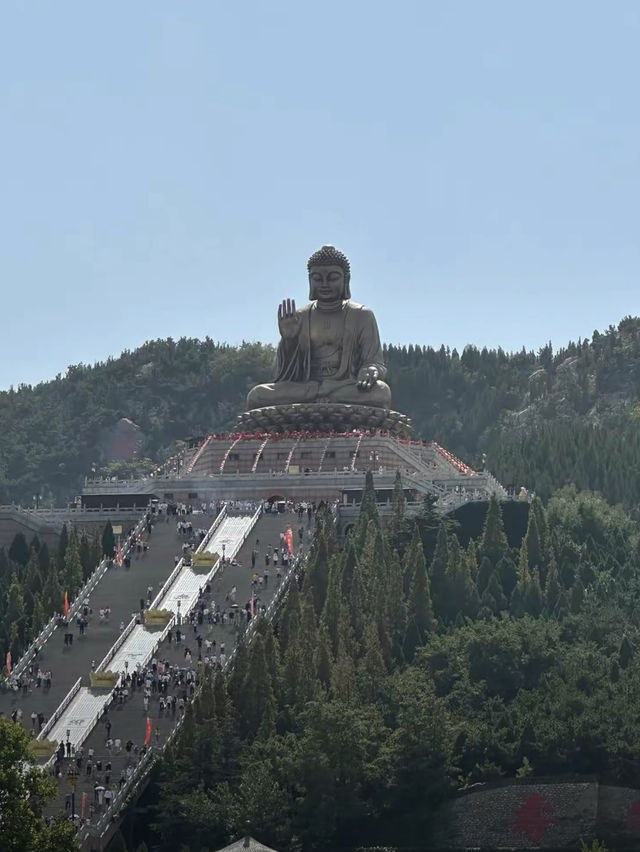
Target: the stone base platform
pixel 323 417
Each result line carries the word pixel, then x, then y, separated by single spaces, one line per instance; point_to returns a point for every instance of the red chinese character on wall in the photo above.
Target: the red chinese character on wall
pixel 534 817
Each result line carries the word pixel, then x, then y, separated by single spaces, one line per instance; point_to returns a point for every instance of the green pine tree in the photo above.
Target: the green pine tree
pixel 333 603
pixel 494 543
pixel 518 603
pixel 541 523
pixel 534 547
pixel 350 560
pixel 52 595
pixel 19 550
pixel 86 557
pixel 272 654
pixel 72 571
pixel 258 697
pixel 15 610
pixel 323 657
pixel 577 596
pixel 438 574
pixel 62 546
pixel 38 618
pixel 494 588
pixel 534 601
pixel 552 586
pixel 507 574
pixel 290 618
pixel 317 573
pixel 459 582
pixel 369 504
pixel 359 599
pixel 626 653
pixel 108 541
pixel 396 610
pixel 371 671
pixel 398 508
pixel 238 676
pixel 410 557
pixel 420 621
pixel 44 560
pixel 33 577
pixel 368 512
pixel 343 677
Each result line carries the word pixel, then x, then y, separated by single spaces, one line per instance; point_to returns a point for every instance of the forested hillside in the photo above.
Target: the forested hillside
pixel 404 667
pixel 542 419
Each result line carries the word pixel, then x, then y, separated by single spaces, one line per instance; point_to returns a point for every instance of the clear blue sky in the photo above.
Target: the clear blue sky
pixel 167 168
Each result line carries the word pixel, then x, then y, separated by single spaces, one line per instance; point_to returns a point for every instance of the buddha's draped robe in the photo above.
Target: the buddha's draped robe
pixel 295 380
pixel 360 347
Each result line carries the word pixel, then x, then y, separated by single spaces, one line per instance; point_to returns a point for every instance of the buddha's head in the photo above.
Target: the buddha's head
pixel 329 275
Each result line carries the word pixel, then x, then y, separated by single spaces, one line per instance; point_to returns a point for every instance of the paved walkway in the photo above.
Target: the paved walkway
pixel 121 590
pixel 128 720
pixel 179 594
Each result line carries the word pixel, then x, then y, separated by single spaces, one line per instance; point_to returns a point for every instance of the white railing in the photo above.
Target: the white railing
pixel 254 466
pixel 453 460
pixel 355 453
pixel 120 797
pixel 165 587
pixel 290 456
pixel 50 626
pixel 497 487
pixel 84 592
pixel 196 457
pixel 325 476
pixel 222 514
pixel 73 511
pixel 63 706
pixel 29 651
pixel 324 453
pixel 92 722
pixel 143 767
pixel 226 455
pixel 117 645
pixel 170 623
pixel 273 603
pixel 414 459
pixel 170 464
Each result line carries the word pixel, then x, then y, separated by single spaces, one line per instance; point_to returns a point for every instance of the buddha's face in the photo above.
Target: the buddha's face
pixel 326 283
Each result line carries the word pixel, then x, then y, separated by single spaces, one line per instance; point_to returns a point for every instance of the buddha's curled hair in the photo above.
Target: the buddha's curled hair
pixel 331 256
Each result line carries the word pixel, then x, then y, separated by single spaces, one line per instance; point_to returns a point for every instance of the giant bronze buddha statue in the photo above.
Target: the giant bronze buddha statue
pixel 330 349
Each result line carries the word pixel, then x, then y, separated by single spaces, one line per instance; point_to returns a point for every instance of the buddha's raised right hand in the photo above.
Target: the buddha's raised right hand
pixel 288 318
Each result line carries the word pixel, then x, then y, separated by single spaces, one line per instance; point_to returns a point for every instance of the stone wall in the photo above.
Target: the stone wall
pixel 13 521
pixel 552 814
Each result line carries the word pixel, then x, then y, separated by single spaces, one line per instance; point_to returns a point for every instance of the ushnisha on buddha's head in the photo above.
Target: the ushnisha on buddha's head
pixel 329 275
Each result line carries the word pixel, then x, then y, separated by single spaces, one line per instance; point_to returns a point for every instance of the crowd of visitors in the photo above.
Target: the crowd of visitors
pixel 198 641
pixel 32 678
